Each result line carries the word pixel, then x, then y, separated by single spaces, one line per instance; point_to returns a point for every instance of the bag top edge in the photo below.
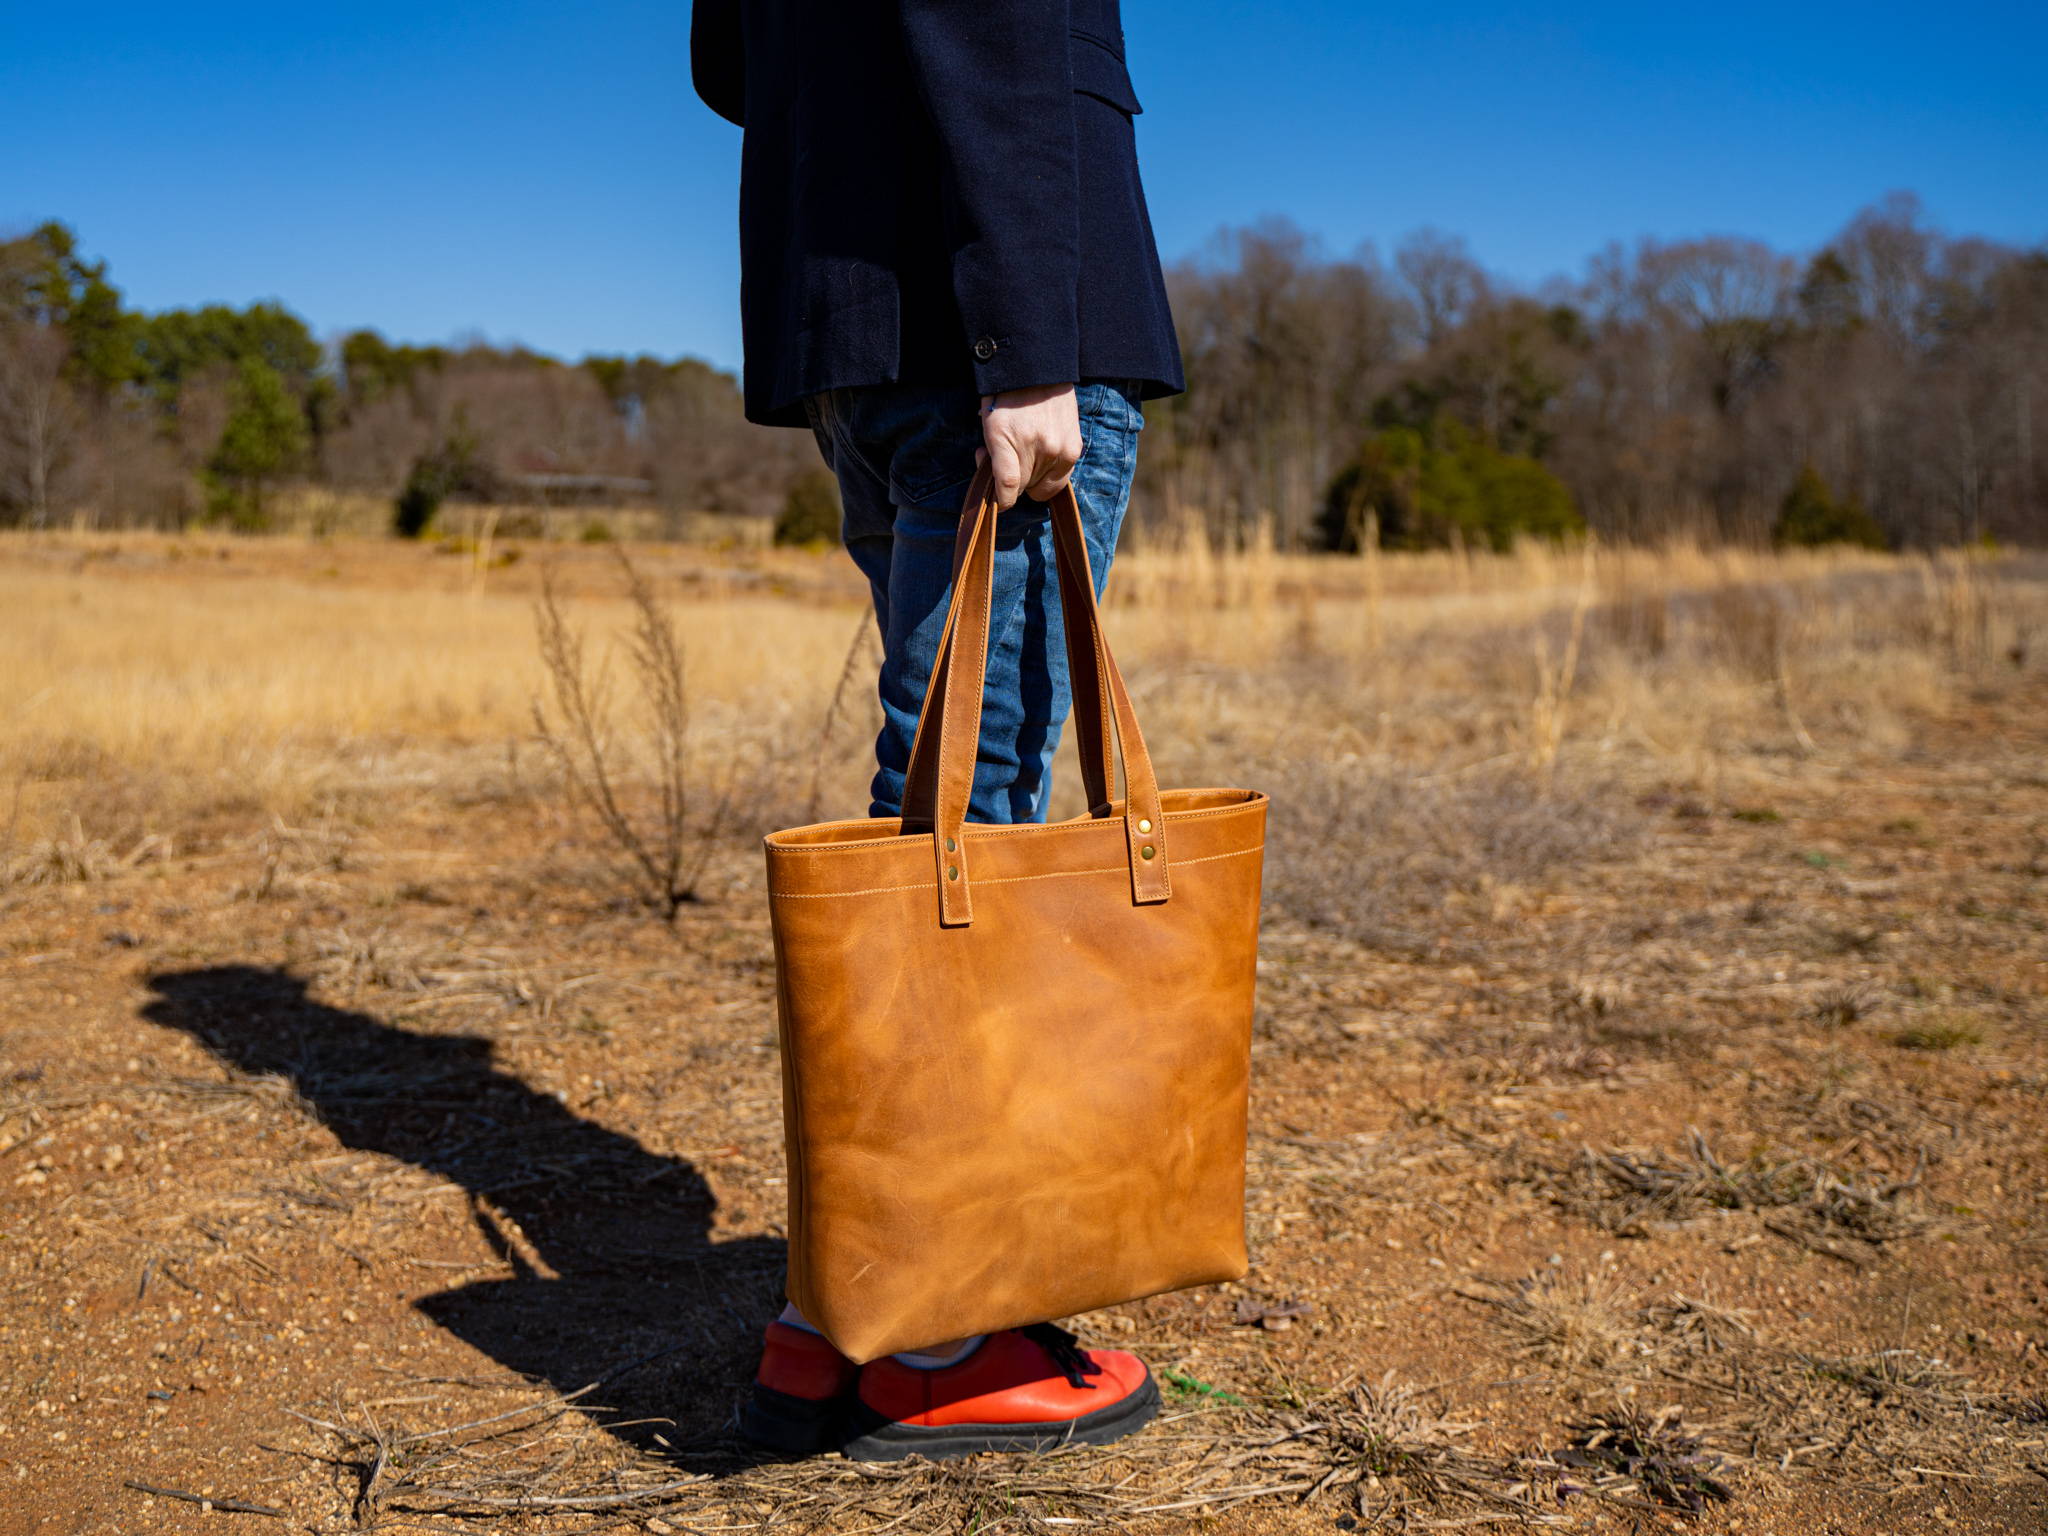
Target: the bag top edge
pixel 888 829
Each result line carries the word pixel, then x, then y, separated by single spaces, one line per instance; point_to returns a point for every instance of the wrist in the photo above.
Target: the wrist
pixel 1030 394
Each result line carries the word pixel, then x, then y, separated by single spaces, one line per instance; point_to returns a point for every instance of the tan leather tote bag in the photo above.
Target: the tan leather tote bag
pixel 1014 1058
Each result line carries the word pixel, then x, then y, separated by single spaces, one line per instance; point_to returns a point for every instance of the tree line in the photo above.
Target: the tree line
pixel 1889 388
pixel 201 415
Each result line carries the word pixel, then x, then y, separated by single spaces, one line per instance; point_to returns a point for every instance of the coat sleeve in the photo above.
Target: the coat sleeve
pixel 718 58
pixel 996 78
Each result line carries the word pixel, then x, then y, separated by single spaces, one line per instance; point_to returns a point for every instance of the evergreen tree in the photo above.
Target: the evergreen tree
pixel 180 344
pixel 45 282
pixel 1426 488
pixel 372 366
pixel 810 513
pixel 265 436
pixel 1810 515
pixel 453 467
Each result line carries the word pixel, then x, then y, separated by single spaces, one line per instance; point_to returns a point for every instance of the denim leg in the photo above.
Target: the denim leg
pixel 1026 691
pixel 905 454
pixel 866 517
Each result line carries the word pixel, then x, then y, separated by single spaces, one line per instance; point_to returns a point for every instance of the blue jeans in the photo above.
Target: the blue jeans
pixel 903 455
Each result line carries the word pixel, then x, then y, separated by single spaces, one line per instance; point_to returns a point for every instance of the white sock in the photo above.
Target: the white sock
pixel 922 1362
pixel 912 1358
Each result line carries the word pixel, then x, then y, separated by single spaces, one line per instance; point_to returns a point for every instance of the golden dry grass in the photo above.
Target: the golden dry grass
pixel 264 672
pixel 1485 704
pixel 189 654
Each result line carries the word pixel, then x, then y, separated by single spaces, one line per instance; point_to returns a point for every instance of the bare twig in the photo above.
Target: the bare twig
pixel 223 1506
pixel 555 1501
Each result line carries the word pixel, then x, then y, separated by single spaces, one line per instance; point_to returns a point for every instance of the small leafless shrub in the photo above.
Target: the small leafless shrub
pixel 290 860
pixel 1568 1318
pixel 384 959
pixel 1395 1456
pixel 664 853
pixel 75 857
pixel 1839 1006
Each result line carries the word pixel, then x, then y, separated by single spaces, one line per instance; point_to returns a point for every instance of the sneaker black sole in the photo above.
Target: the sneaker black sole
pixel 794 1426
pixel 880 1439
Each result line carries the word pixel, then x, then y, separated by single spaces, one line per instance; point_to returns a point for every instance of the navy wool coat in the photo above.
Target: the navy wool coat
pixel 935 192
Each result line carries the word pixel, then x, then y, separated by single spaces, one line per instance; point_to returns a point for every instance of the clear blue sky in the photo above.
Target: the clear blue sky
pixel 542 172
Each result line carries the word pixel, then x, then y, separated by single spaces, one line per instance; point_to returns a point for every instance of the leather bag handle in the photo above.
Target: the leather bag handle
pixel 1094 726
pixel 942 759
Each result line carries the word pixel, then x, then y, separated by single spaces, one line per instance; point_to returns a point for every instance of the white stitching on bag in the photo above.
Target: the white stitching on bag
pixel 1054 874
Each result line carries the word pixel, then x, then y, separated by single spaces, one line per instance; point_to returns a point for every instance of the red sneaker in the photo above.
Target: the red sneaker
pixel 801 1393
pixel 1029 1389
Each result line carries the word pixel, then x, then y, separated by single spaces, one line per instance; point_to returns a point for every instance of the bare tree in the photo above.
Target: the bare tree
pixel 665 853
pixel 1890 253
pixel 1285 353
pixel 128 473
pixel 39 420
pixel 1442 280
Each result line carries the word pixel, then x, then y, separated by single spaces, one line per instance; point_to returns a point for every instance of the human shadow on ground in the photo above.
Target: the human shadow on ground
pixel 641 1298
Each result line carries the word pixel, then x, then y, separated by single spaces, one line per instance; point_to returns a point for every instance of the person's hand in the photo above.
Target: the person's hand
pixel 1031 439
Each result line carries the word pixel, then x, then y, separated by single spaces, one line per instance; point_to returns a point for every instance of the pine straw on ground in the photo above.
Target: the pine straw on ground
pixel 1883 1416
pixel 1698 1401
pixel 1374 1453
pixel 1387 1454
pixel 1799 1199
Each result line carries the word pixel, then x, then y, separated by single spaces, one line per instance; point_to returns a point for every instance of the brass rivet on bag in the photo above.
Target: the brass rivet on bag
pixel 1144 826
pixel 951 846
pixel 953 871
pixel 1146 851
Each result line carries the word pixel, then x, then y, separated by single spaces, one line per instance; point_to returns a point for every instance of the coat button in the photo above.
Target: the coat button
pixel 985 348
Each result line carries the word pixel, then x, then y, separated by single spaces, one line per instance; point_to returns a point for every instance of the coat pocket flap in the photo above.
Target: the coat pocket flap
pixel 1099 71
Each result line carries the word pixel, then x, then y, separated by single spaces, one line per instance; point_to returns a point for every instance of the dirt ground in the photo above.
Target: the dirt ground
pixel 389 1173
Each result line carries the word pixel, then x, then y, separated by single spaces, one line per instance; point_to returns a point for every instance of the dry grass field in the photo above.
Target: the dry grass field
pixel 1651 1077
